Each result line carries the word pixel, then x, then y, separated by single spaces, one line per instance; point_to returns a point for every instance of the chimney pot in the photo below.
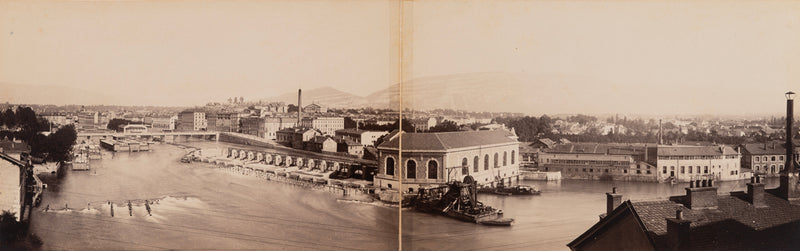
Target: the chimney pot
pixel 679 214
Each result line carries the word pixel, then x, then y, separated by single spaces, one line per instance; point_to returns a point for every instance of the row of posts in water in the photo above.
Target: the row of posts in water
pixel 130 207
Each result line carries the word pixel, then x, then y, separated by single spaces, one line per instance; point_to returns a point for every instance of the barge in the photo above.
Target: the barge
pixel 458 200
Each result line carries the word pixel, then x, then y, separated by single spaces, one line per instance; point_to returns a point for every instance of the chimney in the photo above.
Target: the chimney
pixel 660 133
pixel 299 107
pixel 678 231
pixel 755 192
pixel 613 200
pixel 702 196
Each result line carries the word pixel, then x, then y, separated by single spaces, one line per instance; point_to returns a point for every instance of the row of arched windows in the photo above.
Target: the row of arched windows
pixel 411 168
pixel 411 165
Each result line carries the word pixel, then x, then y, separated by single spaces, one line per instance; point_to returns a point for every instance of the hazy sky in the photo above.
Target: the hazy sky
pixel 711 55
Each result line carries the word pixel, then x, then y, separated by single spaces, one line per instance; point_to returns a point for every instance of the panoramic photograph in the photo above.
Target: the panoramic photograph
pixel 399 125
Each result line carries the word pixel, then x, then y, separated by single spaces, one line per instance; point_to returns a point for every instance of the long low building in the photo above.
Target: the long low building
pixel 600 161
pixel 432 159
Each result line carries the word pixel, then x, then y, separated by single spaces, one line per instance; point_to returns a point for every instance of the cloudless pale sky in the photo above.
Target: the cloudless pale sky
pixel 708 55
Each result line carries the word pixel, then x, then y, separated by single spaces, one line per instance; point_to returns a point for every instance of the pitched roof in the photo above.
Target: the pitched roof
pixel 734 216
pixel 695 150
pixel 773 148
pixel 608 148
pixel 353 131
pixel 734 224
pixel 442 141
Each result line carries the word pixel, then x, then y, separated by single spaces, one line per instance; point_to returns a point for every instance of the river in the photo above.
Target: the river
pixel 197 206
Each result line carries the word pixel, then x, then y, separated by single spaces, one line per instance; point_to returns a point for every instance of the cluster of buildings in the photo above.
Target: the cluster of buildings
pixel 656 162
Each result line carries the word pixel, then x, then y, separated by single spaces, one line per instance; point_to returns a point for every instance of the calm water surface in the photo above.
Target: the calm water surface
pixel 197 206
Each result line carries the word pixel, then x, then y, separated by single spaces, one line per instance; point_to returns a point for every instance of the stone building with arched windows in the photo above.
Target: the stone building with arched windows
pixel 431 159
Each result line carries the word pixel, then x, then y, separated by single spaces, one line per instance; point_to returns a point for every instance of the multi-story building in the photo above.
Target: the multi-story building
pixel 764 158
pixel 252 126
pixel 326 125
pixel 163 123
pixel 192 120
pixel 321 144
pixel 686 163
pixel 295 137
pixel 56 119
pixel 274 124
pixel 433 159
pixel 599 161
pixel 13 177
pixel 423 124
pixel 227 122
pixel 363 137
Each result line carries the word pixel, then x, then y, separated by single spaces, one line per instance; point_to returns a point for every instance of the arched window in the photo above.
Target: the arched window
pixel 464 166
pixel 389 166
pixel 433 169
pixel 496 160
pixel 411 169
pixel 505 158
pixel 486 162
pixel 513 156
pixel 476 163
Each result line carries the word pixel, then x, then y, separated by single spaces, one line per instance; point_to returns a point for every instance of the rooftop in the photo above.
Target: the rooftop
pixel 443 141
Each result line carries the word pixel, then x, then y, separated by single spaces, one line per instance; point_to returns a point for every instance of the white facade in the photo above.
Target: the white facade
pixel 10 187
pixel 705 163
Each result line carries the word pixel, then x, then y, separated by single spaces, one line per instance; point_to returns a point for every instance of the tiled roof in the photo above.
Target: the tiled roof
pixel 695 150
pixel 616 149
pixel 443 141
pixel 774 148
pixel 733 216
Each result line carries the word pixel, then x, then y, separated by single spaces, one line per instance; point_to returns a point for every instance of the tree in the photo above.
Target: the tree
pixel 349 123
pixel 10 118
pixel 117 124
pixel 61 143
pixel 445 126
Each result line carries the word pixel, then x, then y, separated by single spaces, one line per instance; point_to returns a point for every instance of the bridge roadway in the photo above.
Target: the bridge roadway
pixel 120 134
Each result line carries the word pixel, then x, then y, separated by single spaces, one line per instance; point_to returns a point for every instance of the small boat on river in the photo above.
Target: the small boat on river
pixel 501 189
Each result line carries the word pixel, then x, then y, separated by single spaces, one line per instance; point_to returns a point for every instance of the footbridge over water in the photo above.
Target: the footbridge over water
pixel 163 136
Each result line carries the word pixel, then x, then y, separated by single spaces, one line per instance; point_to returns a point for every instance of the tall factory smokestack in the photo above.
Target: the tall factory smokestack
pixel 660 133
pixel 299 107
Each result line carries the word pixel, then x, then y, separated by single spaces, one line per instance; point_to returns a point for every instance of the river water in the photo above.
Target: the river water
pixel 198 206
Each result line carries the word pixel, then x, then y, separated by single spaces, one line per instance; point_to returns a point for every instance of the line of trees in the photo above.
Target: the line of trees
pixel 26 126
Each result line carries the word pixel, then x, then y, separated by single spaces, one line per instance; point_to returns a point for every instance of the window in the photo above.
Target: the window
pixel 781 167
pixel 731 172
pixel 772 168
pixel 606 170
pixel 433 169
pixel 389 166
pixel 698 169
pixel 758 159
pixel 690 169
pixel 638 171
pixel 486 162
pixel 505 158
pixel 683 169
pixel 665 169
pixel 476 163
pixel 591 170
pixel 705 170
pixel 758 168
pixel 773 158
pixel 411 169
pixel 496 160
pixel 648 171
pixel 464 166
pixel 513 156
pixel 781 158
pixel 625 170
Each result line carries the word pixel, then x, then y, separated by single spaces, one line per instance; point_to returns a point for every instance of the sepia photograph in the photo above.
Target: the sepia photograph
pixel 399 125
